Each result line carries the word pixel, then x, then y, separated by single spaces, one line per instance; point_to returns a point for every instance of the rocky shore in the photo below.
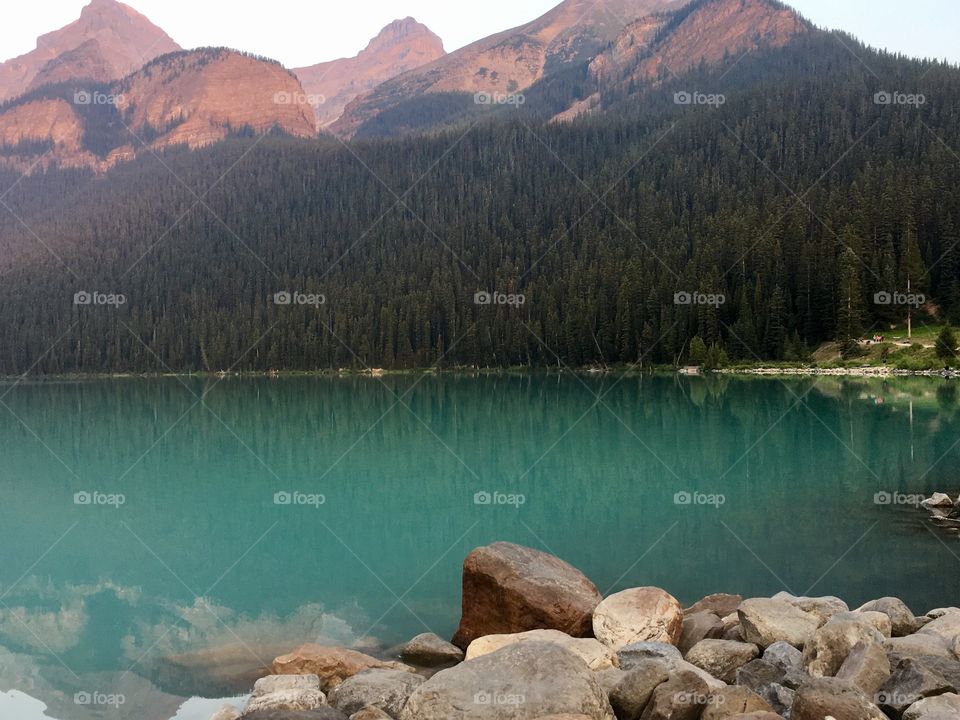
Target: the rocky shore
pixel 537 641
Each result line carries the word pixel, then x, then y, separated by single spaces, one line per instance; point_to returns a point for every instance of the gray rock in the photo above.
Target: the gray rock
pixel 699 626
pixel 916 646
pixel 286 692
pixel 877 620
pixel 946 626
pixel 912 680
pixel 608 678
pixel 769 682
pixel 682 697
pixel 940 707
pixel 901 617
pixel 867 667
pixel 732 701
pixel 784 656
pixel 631 654
pixel 524 681
pixel 631 695
pixel 722 658
pixel 829 646
pixel 429 650
pixel 823 697
pixel 823 608
pixel 765 621
pixel 385 689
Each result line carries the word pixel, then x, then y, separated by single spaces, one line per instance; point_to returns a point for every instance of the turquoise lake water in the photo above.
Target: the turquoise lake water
pixel 146 521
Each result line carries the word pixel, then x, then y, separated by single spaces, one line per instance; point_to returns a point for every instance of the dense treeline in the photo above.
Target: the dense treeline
pixel 797 200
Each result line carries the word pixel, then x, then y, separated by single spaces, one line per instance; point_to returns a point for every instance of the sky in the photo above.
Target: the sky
pixel 305 32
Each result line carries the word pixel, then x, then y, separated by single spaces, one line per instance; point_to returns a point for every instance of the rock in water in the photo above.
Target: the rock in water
pixel 332 665
pixel 525 681
pixel 645 614
pixel 509 588
pixel 384 689
pixel 765 621
pixel 429 650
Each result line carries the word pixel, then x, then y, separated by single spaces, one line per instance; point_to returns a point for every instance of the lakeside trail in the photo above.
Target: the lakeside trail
pixel 537 641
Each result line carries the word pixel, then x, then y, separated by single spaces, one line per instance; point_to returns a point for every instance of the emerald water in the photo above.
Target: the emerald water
pixel 159 538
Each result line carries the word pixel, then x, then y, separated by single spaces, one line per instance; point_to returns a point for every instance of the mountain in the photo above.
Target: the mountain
pixel 510 61
pixel 191 98
pixel 107 42
pixel 400 47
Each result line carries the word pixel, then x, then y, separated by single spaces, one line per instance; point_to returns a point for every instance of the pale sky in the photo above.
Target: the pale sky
pixel 304 32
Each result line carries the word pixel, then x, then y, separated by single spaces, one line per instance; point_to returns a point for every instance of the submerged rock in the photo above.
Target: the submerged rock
pixel 645 614
pixel 509 588
pixel 429 650
pixel 525 681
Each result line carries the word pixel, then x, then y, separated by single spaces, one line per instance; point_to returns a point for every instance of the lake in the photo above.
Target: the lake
pixel 160 536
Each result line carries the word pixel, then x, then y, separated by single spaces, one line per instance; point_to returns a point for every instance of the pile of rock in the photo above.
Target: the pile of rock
pixel 538 642
pixel 944 511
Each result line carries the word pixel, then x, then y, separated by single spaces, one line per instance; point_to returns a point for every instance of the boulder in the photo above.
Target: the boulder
pixel 877 620
pixel 227 712
pixel 722 658
pixel 524 681
pixel 286 692
pixel 760 715
pixel 510 588
pixel 867 667
pixel 783 656
pixel 767 680
pixel 829 646
pixel 429 650
pixel 940 707
pixel 828 697
pixel 902 619
pixel 384 689
pixel 937 500
pixel 370 713
pixel 682 697
pixel 595 654
pixel 609 678
pixel 823 608
pixel 731 701
pixel 638 615
pixel 720 604
pixel 912 680
pixel 765 621
pixel 699 626
pixel 630 696
pixel 916 646
pixel 331 664
pixel 946 626
pixel 323 713
pixel 631 654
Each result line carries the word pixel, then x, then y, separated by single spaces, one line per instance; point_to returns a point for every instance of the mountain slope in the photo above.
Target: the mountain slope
pixel 191 98
pixel 510 61
pixel 107 42
pixel 400 47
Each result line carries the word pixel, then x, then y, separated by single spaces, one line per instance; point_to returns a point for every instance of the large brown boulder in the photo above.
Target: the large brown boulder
pixel 510 588
pixel 823 697
pixel 331 664
pixel 644 614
